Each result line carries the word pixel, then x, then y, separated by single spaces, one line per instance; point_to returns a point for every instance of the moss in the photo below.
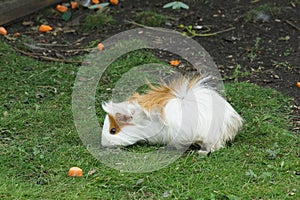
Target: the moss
pixel 97 21
pixel 150 18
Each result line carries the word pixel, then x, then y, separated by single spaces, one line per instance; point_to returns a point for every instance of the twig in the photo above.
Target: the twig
pixel 78 41
pixel 60 50
pixel 52 45
pixel 59 60
pixel 32 46
pixel 193 35
pixel 33 75
pixel 208 34
pixel 137 24
pixel 293 25
pixel 76 50
pixel 46 58
pixel 63 45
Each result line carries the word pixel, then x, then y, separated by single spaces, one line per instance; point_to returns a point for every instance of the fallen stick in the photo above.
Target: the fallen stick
pixel 209 34
pixel 193 34
pixel 293 25
pixel 45 58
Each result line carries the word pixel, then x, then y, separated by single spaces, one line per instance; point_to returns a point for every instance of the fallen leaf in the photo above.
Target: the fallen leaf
pixel 92 171
pixel 27 23
pixel 167 194
pixel 67 15
pixel 5 113
pixel 85 3
pixel 139 182
pixel 276 76
pixel 285 38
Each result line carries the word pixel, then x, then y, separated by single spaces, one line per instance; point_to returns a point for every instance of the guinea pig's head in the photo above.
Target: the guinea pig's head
pixel 123 124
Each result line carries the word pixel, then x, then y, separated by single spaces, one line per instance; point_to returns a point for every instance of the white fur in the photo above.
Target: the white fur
pixel 196 115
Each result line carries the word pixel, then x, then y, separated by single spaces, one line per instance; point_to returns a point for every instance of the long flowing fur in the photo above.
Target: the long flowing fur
pixel 180 113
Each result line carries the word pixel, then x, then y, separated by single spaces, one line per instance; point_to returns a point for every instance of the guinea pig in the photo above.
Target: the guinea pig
pixel 182 112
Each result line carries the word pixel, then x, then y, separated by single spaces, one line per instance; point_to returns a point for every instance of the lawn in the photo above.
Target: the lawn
pixel 39 143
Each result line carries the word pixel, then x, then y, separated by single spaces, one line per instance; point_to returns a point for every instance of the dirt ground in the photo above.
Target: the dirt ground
pixel 261 47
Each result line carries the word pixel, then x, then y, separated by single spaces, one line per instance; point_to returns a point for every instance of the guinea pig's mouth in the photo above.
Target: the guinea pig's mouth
pixel 110 145
pixel 121 140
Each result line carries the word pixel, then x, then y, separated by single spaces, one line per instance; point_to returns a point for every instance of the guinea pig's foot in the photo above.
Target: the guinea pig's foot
pixel 203 153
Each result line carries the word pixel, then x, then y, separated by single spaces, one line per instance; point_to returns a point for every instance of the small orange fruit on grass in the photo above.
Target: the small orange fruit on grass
pixel 61 8
pixel 17 34
pixel 114 2
pixel 45 28
pixel 174 63
pixel 100 46
pixel 298 84
pixel 3 31
pixel 75 171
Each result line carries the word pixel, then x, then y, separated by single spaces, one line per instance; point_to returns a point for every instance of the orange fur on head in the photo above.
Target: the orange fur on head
pixel 113 124
pixel 118 122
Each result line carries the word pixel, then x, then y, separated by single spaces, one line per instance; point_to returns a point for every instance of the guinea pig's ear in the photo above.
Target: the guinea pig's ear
pixel 122 112
pixel 107 107
pixel 123 118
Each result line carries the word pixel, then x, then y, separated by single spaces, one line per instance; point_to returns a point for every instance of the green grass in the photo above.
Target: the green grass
pixel 150 18
pixel 97 21
pixel 39 144
pixel 253 52
pixel 237 73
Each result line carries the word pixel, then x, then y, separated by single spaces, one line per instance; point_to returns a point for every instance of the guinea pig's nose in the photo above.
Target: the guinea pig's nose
pixel 113 131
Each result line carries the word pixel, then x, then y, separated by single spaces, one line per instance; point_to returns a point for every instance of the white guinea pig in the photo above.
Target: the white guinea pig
pixel 178 114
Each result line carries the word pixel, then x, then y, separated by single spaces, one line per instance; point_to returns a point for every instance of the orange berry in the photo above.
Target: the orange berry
pixel 17 34
pixel 95 1
pixel 298 84
pixel 114 2
pixel 3 31
pixel 75 171
pixel 61 8
pixel 73 4
pixel 45 28
pixel 174 63
pixel 100 46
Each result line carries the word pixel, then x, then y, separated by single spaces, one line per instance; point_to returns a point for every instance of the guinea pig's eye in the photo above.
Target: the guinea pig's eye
pixel 113 131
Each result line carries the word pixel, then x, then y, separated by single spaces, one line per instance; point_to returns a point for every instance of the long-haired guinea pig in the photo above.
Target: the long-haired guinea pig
pixel 180 113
